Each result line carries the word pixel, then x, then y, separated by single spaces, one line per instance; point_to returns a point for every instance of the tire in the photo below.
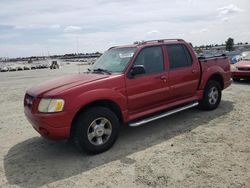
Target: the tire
pixel 236 79
pixel 211 96
pixel 96 130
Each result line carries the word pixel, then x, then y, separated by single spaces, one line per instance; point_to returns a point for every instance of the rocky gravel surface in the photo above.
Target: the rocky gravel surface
pixel 189 149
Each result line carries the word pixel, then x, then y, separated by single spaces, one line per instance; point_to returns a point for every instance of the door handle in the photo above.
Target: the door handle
pixel 163 78
pixel 194 71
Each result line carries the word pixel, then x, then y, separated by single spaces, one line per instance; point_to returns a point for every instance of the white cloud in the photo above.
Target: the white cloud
pixel 31 27
pixel 56 26
pixel 203 30
pixel 20 49
pixel 24 27
pixel 37 26
pixel 71 29
pixel 200 31
pixel 225 19
pixel 153 32
pixel 10 35
pixel 230 9
pixel 100 23
pixel 226 13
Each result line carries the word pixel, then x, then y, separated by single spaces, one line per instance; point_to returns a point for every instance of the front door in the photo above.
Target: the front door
pixel 151 88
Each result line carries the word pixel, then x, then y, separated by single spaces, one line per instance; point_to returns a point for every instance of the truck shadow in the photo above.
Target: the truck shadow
pixel 36 162
pixel 242 82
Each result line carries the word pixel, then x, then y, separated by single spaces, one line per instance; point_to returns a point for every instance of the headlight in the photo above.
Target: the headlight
pixel 51 105
pixel 233 68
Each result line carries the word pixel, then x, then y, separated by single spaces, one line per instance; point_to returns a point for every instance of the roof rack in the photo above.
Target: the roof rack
pixel 112 47
pixel 159 40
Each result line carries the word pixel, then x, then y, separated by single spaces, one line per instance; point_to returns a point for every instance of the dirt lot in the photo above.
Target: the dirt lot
pixel 189 149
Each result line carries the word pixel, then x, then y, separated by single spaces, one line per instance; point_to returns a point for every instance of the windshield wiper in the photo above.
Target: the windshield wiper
pixel 102 70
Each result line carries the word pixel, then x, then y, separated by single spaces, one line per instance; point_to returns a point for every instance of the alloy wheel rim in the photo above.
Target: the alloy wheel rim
pixel 213 95
pixel 99 131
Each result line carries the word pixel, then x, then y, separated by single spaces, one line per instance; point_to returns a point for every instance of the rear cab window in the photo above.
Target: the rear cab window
pixel 179 56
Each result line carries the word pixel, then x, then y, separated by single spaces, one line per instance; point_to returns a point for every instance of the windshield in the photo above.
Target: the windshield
pixel 246 55
pixel 114 60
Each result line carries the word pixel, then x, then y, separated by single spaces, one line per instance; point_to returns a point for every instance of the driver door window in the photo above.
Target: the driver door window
pixel 152 60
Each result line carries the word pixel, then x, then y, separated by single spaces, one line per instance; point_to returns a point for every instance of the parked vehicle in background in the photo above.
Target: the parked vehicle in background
pixel 54 65
pixel 4 69
pixel 26 68
pixel 232 54
pixel 33 67
pixel 236 59
pixel 12 68
pixel 19 68
pixel 133 85
pixel 241 70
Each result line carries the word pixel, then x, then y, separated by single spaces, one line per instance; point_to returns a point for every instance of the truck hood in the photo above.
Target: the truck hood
pixel 63 83
pixel 243 64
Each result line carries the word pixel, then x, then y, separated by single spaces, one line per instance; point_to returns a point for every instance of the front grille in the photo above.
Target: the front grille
pixel 244 69
pixel 28 101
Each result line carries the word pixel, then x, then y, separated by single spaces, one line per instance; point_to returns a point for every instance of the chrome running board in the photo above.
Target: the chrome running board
pixel 147 120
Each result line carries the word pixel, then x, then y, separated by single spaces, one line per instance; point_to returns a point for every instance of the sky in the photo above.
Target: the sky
pixel 42 27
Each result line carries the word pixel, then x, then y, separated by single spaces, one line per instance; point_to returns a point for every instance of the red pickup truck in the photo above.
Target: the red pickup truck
pixel 132 85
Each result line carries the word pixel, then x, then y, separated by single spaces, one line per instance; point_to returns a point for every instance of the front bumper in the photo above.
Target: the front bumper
pixel 54 126
pixel 241 74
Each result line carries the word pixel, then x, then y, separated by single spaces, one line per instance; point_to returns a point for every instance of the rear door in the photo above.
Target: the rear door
pixel 150 89
pixel 184 72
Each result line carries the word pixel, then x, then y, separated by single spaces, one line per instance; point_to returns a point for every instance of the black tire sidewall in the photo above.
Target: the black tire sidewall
pixel 206 105
pixel 83 122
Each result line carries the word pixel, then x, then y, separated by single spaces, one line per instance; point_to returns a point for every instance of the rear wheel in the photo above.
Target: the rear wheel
pixel 96 130
pixel 212 96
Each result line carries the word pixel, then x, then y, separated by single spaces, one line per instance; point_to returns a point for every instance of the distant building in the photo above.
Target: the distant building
pixel 220 49
pixel 3 59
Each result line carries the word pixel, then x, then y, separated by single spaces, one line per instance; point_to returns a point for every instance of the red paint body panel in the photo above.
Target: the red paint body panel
pixel 54 126
pixel 183 82
pixel 243 70
pixel 241 74
pixel 218 67
pixel 135 97
pixel 243 64
pixel 53 87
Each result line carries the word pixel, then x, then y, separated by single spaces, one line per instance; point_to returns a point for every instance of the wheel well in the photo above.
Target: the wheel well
pixel 104 103
pixel 219 79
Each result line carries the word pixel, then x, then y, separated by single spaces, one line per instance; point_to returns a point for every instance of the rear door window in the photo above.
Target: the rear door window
pixel 179 56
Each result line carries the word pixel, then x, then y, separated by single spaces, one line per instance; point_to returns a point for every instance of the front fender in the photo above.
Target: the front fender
pixel 100 94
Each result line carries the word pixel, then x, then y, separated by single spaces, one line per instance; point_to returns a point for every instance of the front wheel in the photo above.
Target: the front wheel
pixel 211 97
pixel 96 130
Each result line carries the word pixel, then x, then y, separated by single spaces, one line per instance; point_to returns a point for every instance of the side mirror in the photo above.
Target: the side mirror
pixel 136 70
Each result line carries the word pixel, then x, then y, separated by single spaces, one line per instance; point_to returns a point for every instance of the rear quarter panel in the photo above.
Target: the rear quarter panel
pixel 216 66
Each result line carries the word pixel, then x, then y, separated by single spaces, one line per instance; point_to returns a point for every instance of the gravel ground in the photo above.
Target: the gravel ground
pixel 190 149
